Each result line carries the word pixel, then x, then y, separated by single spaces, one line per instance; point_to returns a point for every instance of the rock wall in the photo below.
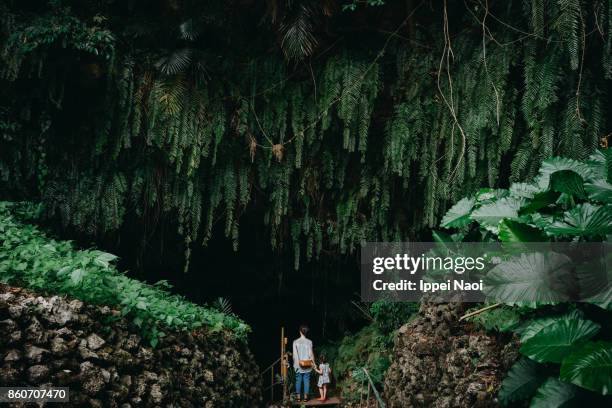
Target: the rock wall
pixel 440 362
pixel 92 350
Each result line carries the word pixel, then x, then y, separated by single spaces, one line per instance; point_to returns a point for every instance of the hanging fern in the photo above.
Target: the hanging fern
pixel 337 137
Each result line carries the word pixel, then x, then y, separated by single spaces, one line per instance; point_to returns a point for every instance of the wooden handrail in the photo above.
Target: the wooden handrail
pixel 379 402
pixel 270 366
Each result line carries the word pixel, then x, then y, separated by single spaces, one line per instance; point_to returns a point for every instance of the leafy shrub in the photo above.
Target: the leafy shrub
pixel 567 356
pixel 369 348
pixel 30 258
pixel 500 319
pixel 389 316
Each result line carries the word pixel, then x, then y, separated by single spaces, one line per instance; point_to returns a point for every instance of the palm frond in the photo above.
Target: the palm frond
pixel 175 62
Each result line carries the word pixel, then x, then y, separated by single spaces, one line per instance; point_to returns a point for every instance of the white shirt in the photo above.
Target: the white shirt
pixel 302 350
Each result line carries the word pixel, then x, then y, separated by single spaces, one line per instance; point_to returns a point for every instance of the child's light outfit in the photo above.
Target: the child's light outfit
pixel 324 377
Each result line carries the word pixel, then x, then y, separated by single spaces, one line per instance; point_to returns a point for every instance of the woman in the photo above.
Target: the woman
pixel 303 362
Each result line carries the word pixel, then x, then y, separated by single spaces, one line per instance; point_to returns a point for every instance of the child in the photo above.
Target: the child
pixel 324 372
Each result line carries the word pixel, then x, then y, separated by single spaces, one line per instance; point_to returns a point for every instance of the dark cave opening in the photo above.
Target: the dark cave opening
pixel 261 284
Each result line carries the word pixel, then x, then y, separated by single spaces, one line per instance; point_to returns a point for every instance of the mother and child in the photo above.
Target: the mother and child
pixel 304 363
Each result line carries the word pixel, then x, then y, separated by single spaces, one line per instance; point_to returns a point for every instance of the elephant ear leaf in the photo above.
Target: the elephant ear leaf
pixel 584 220
pixel 561 164
pixel 524 190
pixel 590 367
pixel 540 200
pixel 490 215
pixel 513 231
pixel 569 182
pixel 598 164
pixel 555 341
pixel 555 394
pixel 529 280
pixel 522 381
pixel 599 190
pixel 459 214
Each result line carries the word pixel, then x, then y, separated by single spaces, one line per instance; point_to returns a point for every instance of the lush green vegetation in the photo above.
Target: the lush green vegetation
pixel 329 124
pixel 28 257
pixel 336 122
pixel 368 348
pixel 567 347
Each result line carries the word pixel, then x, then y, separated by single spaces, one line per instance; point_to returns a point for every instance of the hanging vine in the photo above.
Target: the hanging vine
pixel 336 144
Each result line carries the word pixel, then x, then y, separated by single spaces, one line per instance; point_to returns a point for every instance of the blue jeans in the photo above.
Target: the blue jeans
pixel 299 377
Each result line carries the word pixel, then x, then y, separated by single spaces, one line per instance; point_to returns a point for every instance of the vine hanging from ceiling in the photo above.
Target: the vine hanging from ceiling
pixel 341 124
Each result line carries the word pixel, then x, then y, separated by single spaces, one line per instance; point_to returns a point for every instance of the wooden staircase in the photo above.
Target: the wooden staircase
pixel 330 402
pixel 277 373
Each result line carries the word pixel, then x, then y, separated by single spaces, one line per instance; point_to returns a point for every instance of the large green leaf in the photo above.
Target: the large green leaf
pixel 485 195
pixel 540 200
pixel 603 299
pixel 590 367
pixel 556 164
pixel 598 166
pixel 569 182
pixel 514 231
pixel 524 190
pixel 555 394
pixel 459 214
pixel 555 341
pixel 492 214
pixel 599 190
pixel 521 383
pixel 532 327
pixel 594 277
pixel 585 220
pixel 528 279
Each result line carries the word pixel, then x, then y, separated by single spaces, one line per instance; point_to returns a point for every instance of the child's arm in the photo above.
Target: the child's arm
pixel 318 371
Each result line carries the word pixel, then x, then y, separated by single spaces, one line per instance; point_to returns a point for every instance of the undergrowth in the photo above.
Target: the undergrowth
pixel 30 258
pixel 369 348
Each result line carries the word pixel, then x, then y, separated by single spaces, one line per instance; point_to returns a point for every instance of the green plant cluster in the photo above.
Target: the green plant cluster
pixel 389 316
pixel 192 113
pixel 368 348
pixel 30 258
pixel 566 347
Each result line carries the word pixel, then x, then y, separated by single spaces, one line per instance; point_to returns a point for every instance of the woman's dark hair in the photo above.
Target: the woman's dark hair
pixel 304 329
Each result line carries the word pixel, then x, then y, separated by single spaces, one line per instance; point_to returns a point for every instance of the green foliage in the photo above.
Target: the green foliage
pixel 335 138
pixel 389 316
pixel 522 382
pixel 500 319
pixel 368 348
pixel 554 393
pixel 30 258
pixel 590 367
pixel 561 204
pixel 555 341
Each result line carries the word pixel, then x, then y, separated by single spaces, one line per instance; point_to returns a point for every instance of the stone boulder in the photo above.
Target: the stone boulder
pixel 53 340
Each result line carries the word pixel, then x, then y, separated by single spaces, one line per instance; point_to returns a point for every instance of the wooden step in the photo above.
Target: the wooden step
pixel 313 402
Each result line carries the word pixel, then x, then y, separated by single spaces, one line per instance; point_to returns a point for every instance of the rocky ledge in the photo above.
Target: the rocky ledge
pixel 440 362
pixel 55 341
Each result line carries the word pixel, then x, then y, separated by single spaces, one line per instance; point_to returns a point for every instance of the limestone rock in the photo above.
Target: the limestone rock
pixel 35 354
pixel 59 341
pixel 38 374
pixel 440 362
pixel 94 342
pixel 12 356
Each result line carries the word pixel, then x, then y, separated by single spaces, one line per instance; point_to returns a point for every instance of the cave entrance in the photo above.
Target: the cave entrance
pixel 259 284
